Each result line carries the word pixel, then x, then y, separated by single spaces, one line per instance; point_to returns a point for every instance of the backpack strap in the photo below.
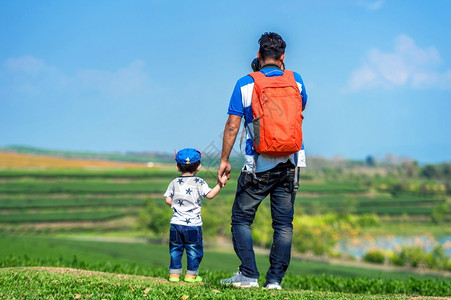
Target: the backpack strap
pixel 261 81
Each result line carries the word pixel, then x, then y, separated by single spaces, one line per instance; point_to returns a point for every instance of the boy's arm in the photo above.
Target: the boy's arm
pixel 169 201
pixel 214 191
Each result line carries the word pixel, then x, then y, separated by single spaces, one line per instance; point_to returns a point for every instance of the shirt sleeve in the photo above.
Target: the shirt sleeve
pixel 204 189
pixel 236 103
pixel 170 190
pixel 301 88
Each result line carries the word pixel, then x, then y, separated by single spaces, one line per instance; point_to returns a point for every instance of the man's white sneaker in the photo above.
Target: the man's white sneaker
pixel 239 280
pixel 273 286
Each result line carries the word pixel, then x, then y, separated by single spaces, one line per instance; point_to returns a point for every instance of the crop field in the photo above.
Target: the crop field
pixel 32 195
pixel 411 204
pixel 18 160
pixel 48 207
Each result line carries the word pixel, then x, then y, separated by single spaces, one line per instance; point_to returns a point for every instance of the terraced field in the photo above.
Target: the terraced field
pixel 99 192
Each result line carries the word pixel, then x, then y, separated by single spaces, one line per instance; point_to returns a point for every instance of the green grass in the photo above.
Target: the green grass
pixel 385 200
pixel 71 181
pixel 47 250
pixel 22 202
pixel 29 188
pixel 152 260
pixel 52 283
pixel 390 210
pixel 78 186
pixel 63 216
pixel 383 204
pixel 407 229
pixel 331 188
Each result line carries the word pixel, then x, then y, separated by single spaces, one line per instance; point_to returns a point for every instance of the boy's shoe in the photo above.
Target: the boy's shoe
pixel 273 286
pixel 174 277
pixel 192 278
pixel 239 280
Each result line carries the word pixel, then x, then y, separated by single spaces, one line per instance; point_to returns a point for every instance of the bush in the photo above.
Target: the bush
pixel 319 240
pixel 368 220
pixel 448 265
pixel 155 216
pixel 437 259
pixel 409 256
pixel 439 213
pixel 320 234
pixel 374 256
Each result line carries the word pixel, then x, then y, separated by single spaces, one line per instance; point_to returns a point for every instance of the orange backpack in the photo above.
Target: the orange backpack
pixel 277 112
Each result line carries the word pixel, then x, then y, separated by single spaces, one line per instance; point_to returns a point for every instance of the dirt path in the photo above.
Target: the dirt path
pixel 80 272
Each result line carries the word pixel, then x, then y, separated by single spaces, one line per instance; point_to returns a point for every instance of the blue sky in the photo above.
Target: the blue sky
pixel 109 76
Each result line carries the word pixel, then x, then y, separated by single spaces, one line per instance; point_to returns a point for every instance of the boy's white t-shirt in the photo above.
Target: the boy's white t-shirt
pixel 187 193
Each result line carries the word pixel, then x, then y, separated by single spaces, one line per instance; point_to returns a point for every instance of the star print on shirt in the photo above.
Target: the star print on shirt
pixel 171 195
pixel 202 182
pixel 196 180
pixel 188 191
pixel 191 210
pixel 187 221
pixel 180 202
pixel 180 180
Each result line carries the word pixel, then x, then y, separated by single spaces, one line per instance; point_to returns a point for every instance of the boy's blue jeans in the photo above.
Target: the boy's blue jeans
pixel 187 238
pixel 252 189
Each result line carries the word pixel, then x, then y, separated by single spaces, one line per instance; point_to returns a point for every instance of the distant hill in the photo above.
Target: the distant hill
pixel 127 157
pixel 134 157
pixel 12 160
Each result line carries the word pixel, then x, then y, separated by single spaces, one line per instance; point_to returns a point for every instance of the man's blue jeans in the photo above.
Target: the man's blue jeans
pixel 252 189
pixel 187 238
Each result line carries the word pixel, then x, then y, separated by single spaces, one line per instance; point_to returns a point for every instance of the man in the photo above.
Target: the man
pixel 260 176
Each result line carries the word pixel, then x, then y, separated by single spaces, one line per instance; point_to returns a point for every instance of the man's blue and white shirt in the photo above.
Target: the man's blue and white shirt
pixel 187 193
pixel 241 105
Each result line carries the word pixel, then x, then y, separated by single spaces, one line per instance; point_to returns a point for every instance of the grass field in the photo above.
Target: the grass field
pixel 47 203
pixel 152 260
pixel 65 283
pixel 53 251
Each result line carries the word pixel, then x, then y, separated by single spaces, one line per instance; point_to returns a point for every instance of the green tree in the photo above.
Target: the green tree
pixel 374 256
pixel 370 161
pixel 262 231
pixel 347 206
pixel 412 256
pixel 437 259
pixel 439 213
pixel 215 218
pixel 155 216
pixel 431 171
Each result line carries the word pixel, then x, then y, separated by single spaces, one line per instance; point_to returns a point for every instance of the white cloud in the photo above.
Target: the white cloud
pixel 408 65
pixel 26 64
pixel 124 82
pixel 371 5
pixel 32 76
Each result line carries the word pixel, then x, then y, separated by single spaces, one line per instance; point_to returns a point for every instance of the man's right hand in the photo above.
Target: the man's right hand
pixel 224 173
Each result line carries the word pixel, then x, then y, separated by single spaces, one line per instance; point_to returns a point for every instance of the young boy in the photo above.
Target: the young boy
pixel 184 195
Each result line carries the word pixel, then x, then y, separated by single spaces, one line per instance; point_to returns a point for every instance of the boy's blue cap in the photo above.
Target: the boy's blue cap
pixel 187 156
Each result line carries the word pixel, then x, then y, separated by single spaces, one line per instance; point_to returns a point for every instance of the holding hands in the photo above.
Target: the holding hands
pixel 224 173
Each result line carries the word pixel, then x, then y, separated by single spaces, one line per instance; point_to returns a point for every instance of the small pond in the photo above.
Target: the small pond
pixel 357 247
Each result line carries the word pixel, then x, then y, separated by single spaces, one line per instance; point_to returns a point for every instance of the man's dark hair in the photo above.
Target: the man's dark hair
pixel 188 168
pixel 271 45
